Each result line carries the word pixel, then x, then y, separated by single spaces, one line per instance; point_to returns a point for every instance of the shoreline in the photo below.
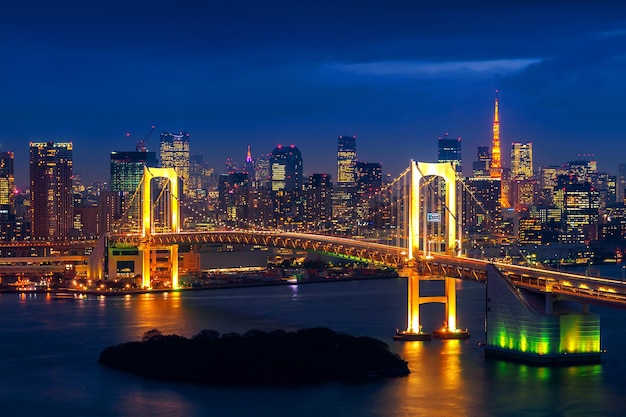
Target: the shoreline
pixel 191 289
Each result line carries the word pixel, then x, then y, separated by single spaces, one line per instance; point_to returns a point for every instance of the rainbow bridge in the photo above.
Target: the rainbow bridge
pixel 533 314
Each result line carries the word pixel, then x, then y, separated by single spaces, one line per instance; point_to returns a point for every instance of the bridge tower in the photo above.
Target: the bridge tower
pixel 422 219
pixel 148 223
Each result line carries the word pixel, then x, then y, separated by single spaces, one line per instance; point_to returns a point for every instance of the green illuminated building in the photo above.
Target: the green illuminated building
pixel 534 328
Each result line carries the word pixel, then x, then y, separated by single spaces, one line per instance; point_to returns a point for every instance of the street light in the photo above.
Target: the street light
pixel 428 251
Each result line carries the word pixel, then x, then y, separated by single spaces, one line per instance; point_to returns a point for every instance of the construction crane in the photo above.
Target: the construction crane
pixel 140 145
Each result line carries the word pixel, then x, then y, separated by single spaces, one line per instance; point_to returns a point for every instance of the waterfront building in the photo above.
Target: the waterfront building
pixel 174 153
pixel 51 189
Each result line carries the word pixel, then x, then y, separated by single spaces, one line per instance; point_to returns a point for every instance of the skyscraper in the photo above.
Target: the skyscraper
pixel 319 203
pixel 521 160
pixel 621 183
pixel 286 183
pixel 51 189
pixel 127 169
pixel 7 181
pixel 346 159
pixel 174 153
pixel 343 194
pixel 449 150
pixel 481 167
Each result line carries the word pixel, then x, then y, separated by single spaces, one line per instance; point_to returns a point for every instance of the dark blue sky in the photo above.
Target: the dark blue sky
pixel 398 74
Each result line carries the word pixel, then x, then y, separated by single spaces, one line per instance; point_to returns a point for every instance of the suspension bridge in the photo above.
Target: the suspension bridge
pixel 532 312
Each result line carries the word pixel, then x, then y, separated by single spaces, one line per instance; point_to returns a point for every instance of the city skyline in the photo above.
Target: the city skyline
pixel 242 73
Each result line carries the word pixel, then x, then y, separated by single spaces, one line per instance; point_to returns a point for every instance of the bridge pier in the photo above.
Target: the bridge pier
pixel 538 328
pixel 414 329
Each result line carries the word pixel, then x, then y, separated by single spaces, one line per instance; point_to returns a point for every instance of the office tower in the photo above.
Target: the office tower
pixel 197 181
pixel 580 212
pixel 482 212
pixel 319 202
pixel 286 184
pixel 234 196
pixel 174 153
pixel 449 150
pixel 368 182
pixel 521 160
pixel 127 169
pixel 262 172
pixel 7 182
pixel 482 166
pixel 346 159
pixel 582 170
pixel 621 183
pixel 343 193
pixel 51 189
pixel 249 167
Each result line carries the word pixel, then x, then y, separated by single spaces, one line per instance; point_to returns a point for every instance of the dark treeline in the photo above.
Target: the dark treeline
pixel 307 355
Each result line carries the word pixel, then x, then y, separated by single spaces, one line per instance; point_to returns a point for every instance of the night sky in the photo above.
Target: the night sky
pixel 398 74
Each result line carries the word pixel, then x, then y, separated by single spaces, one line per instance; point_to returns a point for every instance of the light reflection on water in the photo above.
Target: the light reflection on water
pixel 50 347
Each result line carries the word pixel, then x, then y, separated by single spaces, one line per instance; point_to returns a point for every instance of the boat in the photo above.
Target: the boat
pixel 63 295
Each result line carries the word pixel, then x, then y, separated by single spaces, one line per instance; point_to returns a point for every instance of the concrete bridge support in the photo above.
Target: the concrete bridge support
pixel 538 328
pixel 414 329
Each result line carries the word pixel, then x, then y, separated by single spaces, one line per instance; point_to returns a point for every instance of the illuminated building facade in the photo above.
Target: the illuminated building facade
pixel 481 167
pixel 346 160
pixel 580 212
pixel 234 196
pixel 7 181
pixel 621 183
pixel 174 153
pixel 481 206
pixel 319 202
pixel 449 150
pixel 521 160
pixel 343 194
pixel 51 189
pixel 286 184
pixel 127 169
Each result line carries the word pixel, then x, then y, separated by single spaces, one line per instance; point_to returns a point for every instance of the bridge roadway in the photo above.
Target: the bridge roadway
pixel 576 286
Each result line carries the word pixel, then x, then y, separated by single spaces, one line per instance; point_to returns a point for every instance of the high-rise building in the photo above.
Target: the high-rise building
pixel 580 212
pixel 482 212
pixel 51 189
pixel 234 196
pixel 481 167
pixel 319 202
pixel 521 160
pixel 346 160
pixel 7 181
pixel 621 183
pixel 174 153
pixel 286 184
pixel 449 150
pixel 127 169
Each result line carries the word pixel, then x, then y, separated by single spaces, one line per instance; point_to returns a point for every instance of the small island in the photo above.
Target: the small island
pixel 256 357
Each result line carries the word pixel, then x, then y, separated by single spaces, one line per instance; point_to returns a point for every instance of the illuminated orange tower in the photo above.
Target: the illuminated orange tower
pixel 495 170
pixel 496 162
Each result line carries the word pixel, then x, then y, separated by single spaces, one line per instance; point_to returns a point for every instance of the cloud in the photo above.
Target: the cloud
pixel 423 69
